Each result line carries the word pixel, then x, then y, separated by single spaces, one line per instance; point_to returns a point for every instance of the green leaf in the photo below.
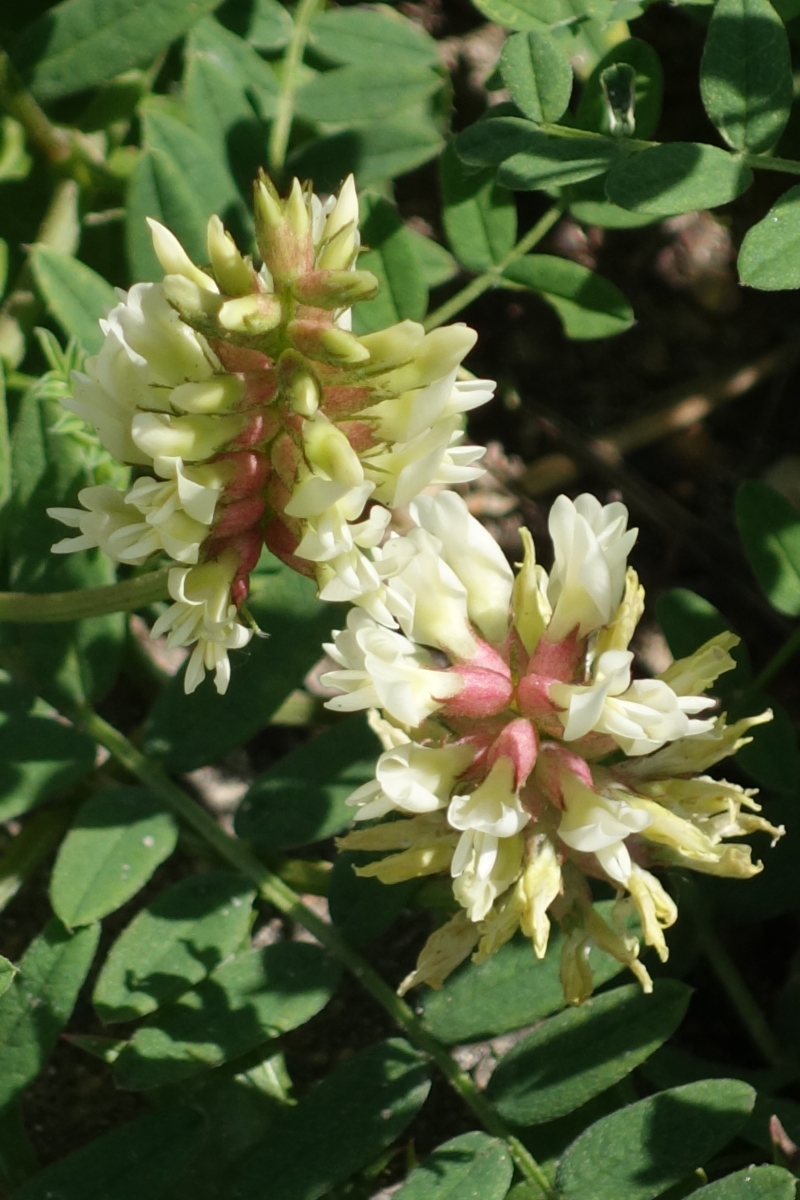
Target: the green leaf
pixel 753 1183
pixel 514 988
pixel 522 14
pixel 746 74
pixel 532 159
pixel 302 798
pixel 473 1164
pixel 117 840
pixel 588 305
pixel 200 161
pixel 677 177
pixel 587 202
pixel 392 257
pixel 479 216
pixel 642 1150
pixel 138 1161
pixel 358 35
pixel 192 731
pixel 436 264
pixel 242 1004
pixel 75 662
pixel 373 153
pixel 7 973
pixel 537 74
pixel 230 94
pixel 772 759
pixel 270 25
pixel 80 43
pixel 158 188
pixel 583 1051
pixel 187 931
pixel 770 255
pixel 358 95
pixel 769 527
pixel 39 1002
pixel 342 1124
pixel 363 909
pixel 39 758
pixel 75 294
pixel 5 443
pixel 593 109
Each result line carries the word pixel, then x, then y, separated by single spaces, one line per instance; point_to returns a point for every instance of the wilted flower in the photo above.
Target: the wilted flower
pixel 258 417
pixel 512 722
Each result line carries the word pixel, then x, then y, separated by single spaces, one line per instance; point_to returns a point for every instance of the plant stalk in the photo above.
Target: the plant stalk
pixel 54 143
pixel 493 276
pixel 731 978
pixel 778 661
pixel 278 893
pixel 281 126
pixel 46 607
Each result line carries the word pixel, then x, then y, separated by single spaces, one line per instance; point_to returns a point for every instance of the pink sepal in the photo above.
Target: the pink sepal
pixel 557 660
pixel 518 742
pixel 484 694
pixel 554 759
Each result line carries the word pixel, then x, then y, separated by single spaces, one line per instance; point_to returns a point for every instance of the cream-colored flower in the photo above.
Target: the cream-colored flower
pixel 591 544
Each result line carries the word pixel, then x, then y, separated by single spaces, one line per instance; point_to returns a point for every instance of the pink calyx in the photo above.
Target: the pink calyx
pixel 519 743
pixel 554 760
pixel 484 693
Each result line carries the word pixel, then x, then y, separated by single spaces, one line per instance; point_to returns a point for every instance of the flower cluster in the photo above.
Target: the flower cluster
pixel 255 416
pixel 521 756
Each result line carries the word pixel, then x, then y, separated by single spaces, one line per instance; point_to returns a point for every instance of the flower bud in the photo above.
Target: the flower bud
pixel 393 346
pixel 304 394
pixel 328 450
pixel 344 213
pixel 529 602
pixel 335 289
pixel 440 353
pixel 218 394
pixel 233 272
pixel 255 313
pixel 193 303
pixel 174 259
pixel 283 231
pixel 326 343
pixel 541 884
pixel 190 438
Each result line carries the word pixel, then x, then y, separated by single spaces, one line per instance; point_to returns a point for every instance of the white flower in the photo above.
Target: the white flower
pixel 425 595
pixel 405 417
pixel 590 546
pixel 412 779
pixel 595 824
pixel 483 867
pixel 493 807
pixel 383 669
pixel 106 521
pixel 639 716
pixel 475 557
pixel 202 612
pixel 403 471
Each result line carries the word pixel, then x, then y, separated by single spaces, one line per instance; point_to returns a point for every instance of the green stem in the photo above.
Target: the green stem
pixel 278 893
pixel 54 143
pixel 46 607
pixel 764 162
pixel 778 661
pixel 731 978
pixel 281 126
pixel 493 276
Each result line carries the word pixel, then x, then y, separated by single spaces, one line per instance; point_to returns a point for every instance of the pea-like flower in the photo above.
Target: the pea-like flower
pixel 522 757
pixel 257 417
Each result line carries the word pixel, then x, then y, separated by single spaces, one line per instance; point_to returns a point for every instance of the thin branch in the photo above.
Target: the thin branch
pixel 494 276
pixel 290 79
pixel 278 893
pixel 46 607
